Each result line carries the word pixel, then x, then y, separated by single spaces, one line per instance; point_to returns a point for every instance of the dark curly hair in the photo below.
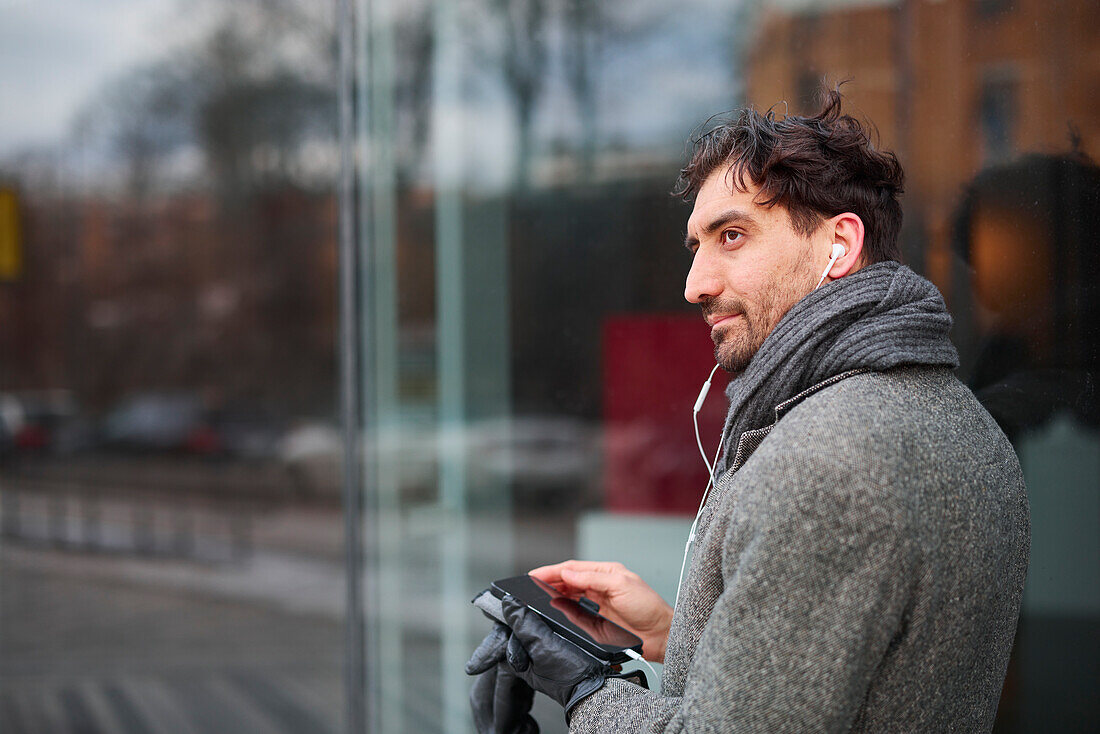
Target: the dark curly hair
pixel 816 167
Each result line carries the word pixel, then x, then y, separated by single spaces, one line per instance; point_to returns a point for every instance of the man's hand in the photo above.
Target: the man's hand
pixel 623 598
pixel 526 650
pixel 499 699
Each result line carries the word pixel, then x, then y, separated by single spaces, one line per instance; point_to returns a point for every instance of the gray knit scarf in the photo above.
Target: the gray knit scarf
pixel 882 316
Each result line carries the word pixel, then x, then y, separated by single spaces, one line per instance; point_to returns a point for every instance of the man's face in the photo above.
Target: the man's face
pixel 749 267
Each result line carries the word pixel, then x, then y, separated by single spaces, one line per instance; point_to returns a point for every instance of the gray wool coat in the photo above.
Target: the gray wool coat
pixel 860 570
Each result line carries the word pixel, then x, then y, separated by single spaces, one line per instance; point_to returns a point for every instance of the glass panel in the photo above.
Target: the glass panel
pixel 169 479
pixel 509 176
pixel 531 360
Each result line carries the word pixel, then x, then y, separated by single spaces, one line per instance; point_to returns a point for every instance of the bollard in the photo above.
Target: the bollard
pixel 240 529
pixel 57 521
pixel 9 513
pixel 90 519
pixel 183 530
pixel 142 518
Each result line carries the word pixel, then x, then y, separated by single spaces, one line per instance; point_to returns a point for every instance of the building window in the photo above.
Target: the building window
pixel 997 119
pixel 993 8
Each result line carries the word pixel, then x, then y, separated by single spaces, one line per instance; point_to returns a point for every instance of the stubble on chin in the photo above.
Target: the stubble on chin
pixel 734 346
pixel 732 343
pixel 737 344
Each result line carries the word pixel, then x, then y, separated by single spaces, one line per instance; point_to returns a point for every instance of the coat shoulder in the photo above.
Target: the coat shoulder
pixel 906 416
pixel 902 440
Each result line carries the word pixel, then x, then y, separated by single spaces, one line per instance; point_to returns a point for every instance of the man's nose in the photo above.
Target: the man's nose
pixel 702 280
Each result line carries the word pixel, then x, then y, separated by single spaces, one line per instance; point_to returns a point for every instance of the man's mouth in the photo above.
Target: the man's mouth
pixel 718 320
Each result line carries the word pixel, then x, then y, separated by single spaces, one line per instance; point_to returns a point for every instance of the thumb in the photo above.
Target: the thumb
pixel 527 627
pixel 490 651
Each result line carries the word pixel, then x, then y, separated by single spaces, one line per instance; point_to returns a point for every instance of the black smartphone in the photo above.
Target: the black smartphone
pixel 592 632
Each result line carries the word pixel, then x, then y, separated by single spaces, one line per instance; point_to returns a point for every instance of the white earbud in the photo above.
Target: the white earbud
pixel 838 252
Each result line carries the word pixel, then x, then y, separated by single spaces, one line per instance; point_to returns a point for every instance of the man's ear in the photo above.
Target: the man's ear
pixel 847 229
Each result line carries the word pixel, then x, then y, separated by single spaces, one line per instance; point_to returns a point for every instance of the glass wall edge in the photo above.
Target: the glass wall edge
pixel 354 256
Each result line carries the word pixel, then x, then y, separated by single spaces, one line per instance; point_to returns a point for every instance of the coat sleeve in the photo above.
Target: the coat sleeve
pixel 815 565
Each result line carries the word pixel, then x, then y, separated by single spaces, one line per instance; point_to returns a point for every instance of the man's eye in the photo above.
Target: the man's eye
pixel 731 237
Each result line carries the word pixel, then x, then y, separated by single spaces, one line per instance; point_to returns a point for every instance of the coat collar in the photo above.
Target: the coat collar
pixel 749 441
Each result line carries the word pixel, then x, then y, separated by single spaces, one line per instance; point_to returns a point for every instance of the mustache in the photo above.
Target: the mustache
pixel 712 306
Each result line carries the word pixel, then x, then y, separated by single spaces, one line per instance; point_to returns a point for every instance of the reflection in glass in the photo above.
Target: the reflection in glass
pixel 168 458
pixel 528 274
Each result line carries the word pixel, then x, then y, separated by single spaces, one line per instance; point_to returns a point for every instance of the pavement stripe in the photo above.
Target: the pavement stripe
pixel 162 707
pixel 127 714
pixel 209 711
pixel 91 690
pixel 77 713
pixel 11 718
pixel 319 691
pixel 47 709
pixel 295 717
pixel 246 707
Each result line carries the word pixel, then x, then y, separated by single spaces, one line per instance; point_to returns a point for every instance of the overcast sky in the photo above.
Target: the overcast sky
pixel 55 54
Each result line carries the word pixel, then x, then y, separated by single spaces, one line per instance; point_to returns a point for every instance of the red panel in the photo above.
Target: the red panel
pixel 653 368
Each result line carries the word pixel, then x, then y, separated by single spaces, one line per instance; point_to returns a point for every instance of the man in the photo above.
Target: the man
pixel 859 563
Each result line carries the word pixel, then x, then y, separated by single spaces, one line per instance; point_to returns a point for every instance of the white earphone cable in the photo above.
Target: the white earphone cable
pixel 710 476
pixel 630 653
pixel 837 252
pixel 695 420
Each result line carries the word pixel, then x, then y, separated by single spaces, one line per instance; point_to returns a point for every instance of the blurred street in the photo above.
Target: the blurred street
pixel 90 653
pixel 109 641
pixel 128 604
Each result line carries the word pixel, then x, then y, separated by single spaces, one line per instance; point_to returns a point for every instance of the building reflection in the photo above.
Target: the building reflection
pixel 169 495
pixel 953 86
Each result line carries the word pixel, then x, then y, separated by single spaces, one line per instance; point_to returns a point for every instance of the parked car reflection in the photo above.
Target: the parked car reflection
pixel 43 421
pixel 543 460
pixel 182 423
pixel 158 422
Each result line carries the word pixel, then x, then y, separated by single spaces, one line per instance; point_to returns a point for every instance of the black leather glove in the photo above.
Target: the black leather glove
pixel 500 700
pixel 548 663
pixel 529 654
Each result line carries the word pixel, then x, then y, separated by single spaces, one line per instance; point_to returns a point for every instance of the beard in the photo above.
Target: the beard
pixel 736 343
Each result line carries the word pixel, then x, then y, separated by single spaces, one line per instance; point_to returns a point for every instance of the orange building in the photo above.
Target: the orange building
pixel 954 86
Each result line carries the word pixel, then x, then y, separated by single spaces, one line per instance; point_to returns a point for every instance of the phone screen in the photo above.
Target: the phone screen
pixel 592 631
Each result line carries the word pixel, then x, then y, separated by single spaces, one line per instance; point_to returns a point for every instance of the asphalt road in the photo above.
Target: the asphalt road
pixel 85 654
pixel 107 640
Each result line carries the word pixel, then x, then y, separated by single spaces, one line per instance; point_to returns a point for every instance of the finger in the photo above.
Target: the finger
pixel 490 651
pixel 604 582
pixel 512 703
pixel 550 575
pixel 513 609
pixel 517 655
pixel 563 576
pixel 553 572
pixel 531 633
pixel 483 700
pixel 546 573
